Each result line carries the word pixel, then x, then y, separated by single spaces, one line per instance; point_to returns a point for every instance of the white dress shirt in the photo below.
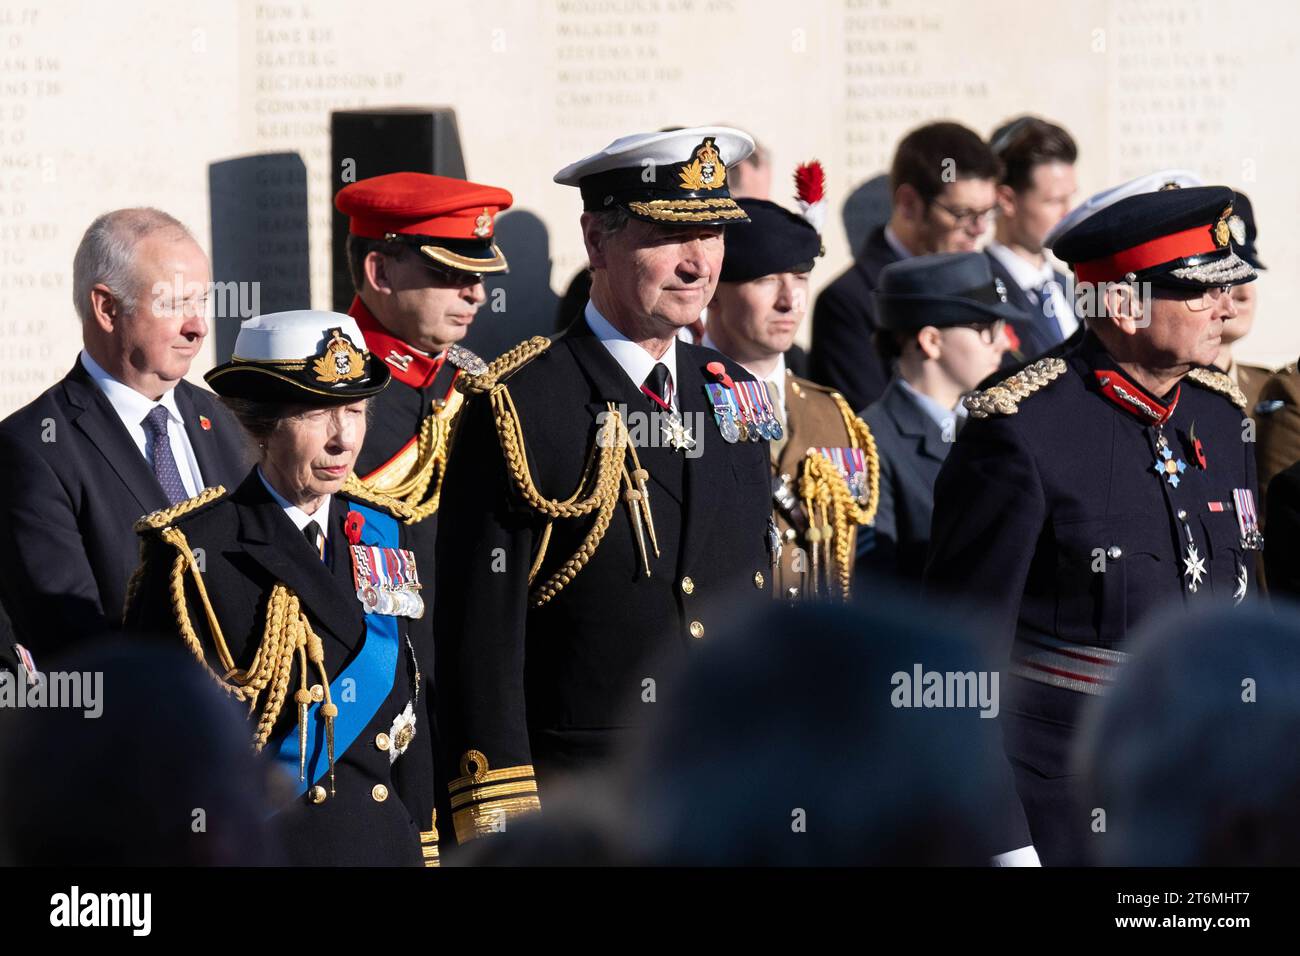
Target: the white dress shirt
pixel 891 238
pixel 133 408
pixel 949 420
pixel 631 358
pixel 299 517
pixel 1030 278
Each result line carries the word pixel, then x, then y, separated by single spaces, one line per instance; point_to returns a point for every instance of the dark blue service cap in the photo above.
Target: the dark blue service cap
pixel 1182 238
pixel 954 288
pixel 776 240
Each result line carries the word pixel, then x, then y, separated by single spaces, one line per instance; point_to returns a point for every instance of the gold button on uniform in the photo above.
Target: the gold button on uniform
pixel 382 741
pixel 380 793
pixel 316 794
pixel 688 586
pixel 317 693
pixel 758 580
pixel 697 629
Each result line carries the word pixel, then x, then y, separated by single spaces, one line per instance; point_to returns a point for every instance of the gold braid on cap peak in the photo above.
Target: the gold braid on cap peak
pixel 287 636
pixel 1003 397
pixel 1219 382
pixel 826 496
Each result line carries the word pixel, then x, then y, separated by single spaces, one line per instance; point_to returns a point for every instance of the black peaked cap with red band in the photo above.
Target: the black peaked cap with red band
pixel 1180 238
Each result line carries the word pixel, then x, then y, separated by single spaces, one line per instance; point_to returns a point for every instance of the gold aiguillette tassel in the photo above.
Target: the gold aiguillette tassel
pixel 641 475
pixel 814 537
pixel 633 498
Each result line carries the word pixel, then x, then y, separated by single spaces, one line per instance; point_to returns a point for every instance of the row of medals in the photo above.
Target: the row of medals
pixel 385 601
pixel 764 426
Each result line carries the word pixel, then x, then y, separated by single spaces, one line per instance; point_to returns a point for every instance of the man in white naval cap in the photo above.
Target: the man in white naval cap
pixel 621 508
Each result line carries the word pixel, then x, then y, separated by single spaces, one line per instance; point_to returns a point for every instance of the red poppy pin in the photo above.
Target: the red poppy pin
pixel 205 423
pixel 1197 447
pixel 719 372
pixel 352 526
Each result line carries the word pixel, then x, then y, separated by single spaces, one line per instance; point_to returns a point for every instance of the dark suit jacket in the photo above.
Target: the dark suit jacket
pixel 1037 333
pixel 912 448
pixel 843 355
pixel 72 486
pixel 559 686
pixel 250 545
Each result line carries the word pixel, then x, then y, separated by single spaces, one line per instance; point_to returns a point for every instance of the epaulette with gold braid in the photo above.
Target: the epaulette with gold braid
pixel 356 488
pixel 157 520
pixel 1003 397
pixel 1218 382
pixel 504 365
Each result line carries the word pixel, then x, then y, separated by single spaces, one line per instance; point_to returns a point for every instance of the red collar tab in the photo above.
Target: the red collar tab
pixel 1133 399
pixel 408 365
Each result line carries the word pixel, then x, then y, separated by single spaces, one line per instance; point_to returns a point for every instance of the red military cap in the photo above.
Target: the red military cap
pixel 449 220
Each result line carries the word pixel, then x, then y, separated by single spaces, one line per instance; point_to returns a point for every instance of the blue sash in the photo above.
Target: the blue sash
pixel 368 680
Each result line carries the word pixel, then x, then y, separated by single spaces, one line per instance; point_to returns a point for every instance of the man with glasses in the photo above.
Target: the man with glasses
pixel 942 183
pixel 418 248
pixel 1092 489
pixel 941 332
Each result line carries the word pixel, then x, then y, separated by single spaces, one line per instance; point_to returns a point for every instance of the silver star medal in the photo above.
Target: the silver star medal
pixel 1239 595
pixel 677 434
pixel 1194 567
pixel 401 733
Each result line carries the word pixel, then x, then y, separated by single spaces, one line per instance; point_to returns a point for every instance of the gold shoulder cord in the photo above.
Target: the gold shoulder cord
pixel 598 488
pixel 832 508
pixel 287 634
pixel 357 488
pixel 421 490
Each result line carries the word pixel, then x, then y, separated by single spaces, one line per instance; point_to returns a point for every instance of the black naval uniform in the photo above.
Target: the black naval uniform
pixel 377 815
pixel 1050 513
pixel 558 686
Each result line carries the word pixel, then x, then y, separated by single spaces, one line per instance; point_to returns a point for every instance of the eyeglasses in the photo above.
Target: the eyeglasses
pixel 968 217
pixel 988 333
pixel 1195 301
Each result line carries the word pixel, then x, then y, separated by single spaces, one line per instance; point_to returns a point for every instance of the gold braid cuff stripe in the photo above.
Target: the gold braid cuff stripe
pixel 482 818
pixel 492 792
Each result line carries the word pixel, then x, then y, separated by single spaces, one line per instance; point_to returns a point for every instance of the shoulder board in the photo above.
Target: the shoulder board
pixel 1003 397
pixel 466 361
pixel 1217 382
pixel 157 520
pixel 354 487
pixel 502 366
pixel 798 385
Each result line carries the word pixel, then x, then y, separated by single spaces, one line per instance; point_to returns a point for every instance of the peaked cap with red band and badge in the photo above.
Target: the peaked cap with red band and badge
pixel 450 221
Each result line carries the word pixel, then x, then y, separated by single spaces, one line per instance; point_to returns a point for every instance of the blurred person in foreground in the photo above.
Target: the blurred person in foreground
pixel 121 775
pixel 1192 758
pixel 843 765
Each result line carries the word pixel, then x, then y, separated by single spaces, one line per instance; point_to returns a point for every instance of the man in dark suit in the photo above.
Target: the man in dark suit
pixel 942 181
pixel 1038 182
pixel 121 435
pixel 1091 492
pixel 941 319
pixel 616 516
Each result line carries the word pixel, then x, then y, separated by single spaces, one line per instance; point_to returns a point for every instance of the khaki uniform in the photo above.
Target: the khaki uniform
pixel 817 565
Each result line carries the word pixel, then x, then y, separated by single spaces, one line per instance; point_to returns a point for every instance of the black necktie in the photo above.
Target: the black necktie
pixel 315 537
pixel 656 384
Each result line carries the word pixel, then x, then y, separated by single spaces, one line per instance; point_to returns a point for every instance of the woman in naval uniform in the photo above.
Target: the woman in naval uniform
pixel 295 591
